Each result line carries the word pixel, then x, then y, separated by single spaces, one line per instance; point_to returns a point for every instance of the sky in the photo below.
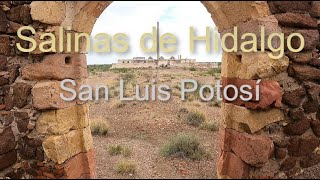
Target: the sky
pixel 136 18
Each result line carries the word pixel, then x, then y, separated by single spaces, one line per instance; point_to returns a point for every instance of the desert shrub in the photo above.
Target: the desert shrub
pixel 195 118
pixel 184 145
pixel 209 126
pixel 121 70
pixel 120 104
pixel 98 68
pixel 218 104
pixel 99 127
pixel 192 69
pixel 115 150
pixel 215 104
pixel 126 152
pixel 127 77
pixel 214 71
pixel 125 168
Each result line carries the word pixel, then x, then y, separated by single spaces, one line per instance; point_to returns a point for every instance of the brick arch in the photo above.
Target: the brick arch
pixel 42 136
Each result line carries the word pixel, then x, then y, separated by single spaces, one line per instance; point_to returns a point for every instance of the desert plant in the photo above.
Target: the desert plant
pixel 184 145
pixel 127 77
pixel 215 104
pixel 214 71
pixel 195 118
pixel 99 127
pixel 115 150
pixel 192 69
pixel 209 126
pixel 125 167
pixel 126 152
pixel 119 104
pixel 98 68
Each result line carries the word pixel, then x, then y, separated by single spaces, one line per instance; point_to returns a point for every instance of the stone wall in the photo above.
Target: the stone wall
pixel 279 135
pixel 42 136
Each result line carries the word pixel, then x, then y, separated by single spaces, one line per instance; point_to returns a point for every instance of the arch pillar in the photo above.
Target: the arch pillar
pixel 45 137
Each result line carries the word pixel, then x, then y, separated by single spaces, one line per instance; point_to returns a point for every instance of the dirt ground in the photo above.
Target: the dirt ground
pixel 145 126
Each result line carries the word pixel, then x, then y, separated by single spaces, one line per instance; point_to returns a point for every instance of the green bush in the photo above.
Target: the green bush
pixel 192 69
pixel 184 145
pixel 195 119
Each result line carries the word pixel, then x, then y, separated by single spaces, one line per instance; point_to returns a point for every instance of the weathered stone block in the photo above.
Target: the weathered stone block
pixel 304 72
pixel 280 153
pixel 6 3
pixel 63 120
pixel 311 38
pixel 223 13
pixel 21 93
pixel 309 161
pixel 8 159
pixel 303 57
pixel 303 146
pixel 81 164
pixel 3 22
pixel 8 142
pixel 5 48
pixel 22 125
pixel 315 125
pixel 294 97
pixel 62 147
pixel 270 24
pixel 20 14
pixel 315 10
pixel 243 119
pixel 296 114
pixel 230 166
pixel 3 62
pixel 256 65
pixel 289 6
pixel 311 106
pixel 270 93
pixel 296 20
pixel 315 63
pixel 288 163
pixel 252 149
pixel 298 127
pixel 3 81
pixel 14 27
pixel 46 95
pixel 8 102
pixel 50 12
pixel 268 171
pixel 13 72
pixel 62 66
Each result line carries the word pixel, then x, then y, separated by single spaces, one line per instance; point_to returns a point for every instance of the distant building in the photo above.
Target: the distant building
pixel 142 62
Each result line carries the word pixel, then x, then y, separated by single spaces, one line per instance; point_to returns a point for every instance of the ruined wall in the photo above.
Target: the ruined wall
pixel 42 136
pixel 279 135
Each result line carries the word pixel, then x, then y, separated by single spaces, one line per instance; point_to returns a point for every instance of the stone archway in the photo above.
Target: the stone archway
pixel 45 137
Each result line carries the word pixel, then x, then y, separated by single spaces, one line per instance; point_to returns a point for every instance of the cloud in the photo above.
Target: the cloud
pixel 136 18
